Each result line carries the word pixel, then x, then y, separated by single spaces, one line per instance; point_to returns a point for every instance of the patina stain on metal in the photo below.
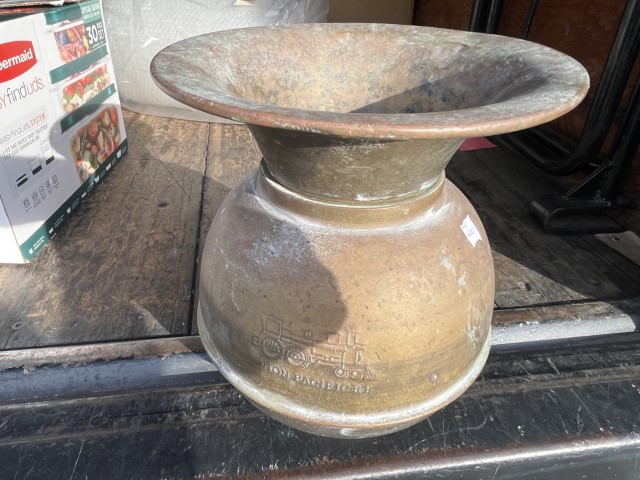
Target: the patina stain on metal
pixel 347 286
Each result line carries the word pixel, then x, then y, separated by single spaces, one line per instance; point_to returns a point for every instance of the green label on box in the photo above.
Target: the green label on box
pixel 67 13
pixel 93 24
pixel 91 12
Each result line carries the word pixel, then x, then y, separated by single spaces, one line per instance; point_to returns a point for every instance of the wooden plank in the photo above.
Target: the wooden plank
pixel 122 267
pixel 371 11
pixel 629 310
pixel 443 13
pixel 232 155
pixel 533 266
pixel 626 244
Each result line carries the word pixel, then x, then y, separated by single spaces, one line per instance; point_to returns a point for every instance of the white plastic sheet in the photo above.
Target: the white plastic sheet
pixel 138 29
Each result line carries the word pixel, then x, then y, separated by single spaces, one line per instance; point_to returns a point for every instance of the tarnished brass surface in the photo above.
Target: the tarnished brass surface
pixel 347 287
pixel 346 326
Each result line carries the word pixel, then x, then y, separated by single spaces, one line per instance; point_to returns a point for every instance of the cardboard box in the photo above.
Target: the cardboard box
pixel 61 127
pixel 371 11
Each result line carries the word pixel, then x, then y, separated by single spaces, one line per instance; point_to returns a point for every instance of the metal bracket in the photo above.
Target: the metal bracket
pixel 574 216
pixel 583 209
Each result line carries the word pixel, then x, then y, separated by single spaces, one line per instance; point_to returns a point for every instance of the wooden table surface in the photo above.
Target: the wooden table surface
pixel 124 267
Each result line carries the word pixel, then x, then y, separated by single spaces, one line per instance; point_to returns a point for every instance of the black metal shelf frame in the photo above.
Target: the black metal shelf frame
pixel 599 191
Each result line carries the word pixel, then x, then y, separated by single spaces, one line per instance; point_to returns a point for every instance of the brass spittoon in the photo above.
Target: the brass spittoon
pixel 346 286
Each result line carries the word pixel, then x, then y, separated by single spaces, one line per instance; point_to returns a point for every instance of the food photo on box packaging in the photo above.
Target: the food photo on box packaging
pixel 61 126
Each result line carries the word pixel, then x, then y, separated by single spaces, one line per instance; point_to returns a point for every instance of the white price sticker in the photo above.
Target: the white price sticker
pixel 470 230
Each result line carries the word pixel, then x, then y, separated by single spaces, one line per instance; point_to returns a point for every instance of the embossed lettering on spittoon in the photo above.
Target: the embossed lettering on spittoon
pixel 340 352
